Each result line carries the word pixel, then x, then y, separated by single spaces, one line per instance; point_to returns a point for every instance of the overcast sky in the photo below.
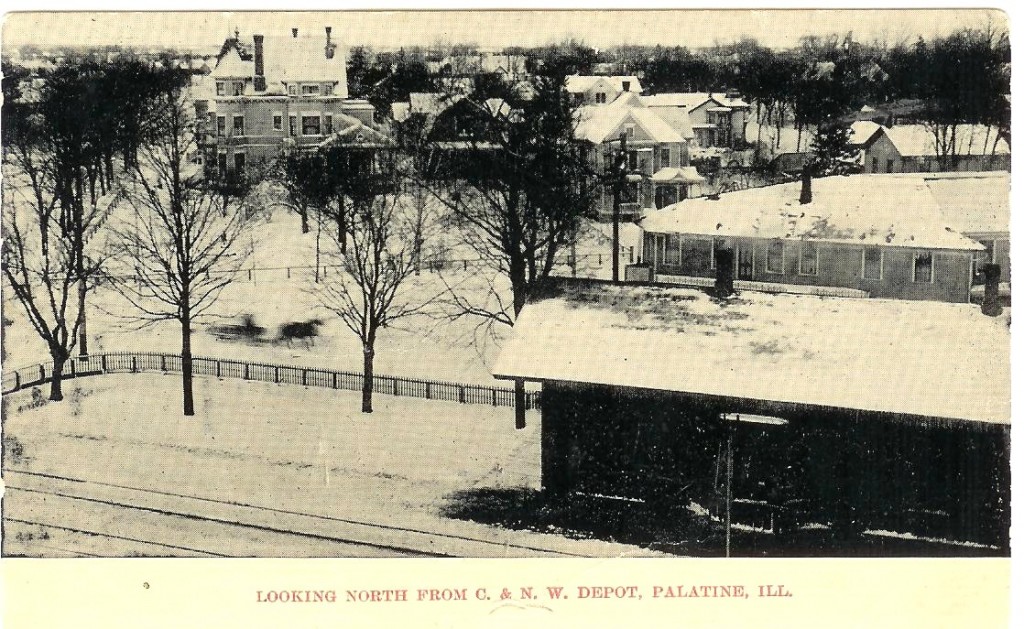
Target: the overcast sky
pixel 695 28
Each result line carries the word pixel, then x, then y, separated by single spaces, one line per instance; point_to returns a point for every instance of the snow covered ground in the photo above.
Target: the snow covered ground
pixel 286 447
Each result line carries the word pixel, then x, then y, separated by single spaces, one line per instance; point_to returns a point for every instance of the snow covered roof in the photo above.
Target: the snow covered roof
pixel 885 210
pixel 687 174
pixel 678 119
pixel 922 358
pixel 973 203
pixel 289 60
pixel 599 123
pixel 690 100
pixel 862 130
pixel 919 141
pixel 577 84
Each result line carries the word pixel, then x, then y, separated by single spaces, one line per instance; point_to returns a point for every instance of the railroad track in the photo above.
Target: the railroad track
pixel 54 516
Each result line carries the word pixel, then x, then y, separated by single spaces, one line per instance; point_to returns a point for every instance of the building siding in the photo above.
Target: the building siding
pixel 838 265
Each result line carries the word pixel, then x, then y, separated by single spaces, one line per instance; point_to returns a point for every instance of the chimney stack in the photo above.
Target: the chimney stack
pixel 329 46
pixel 259 81
pixel 805 185
pixel 295 32
pixel 991 306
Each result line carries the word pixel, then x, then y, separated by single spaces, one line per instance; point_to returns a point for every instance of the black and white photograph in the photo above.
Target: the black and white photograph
pixel 525 284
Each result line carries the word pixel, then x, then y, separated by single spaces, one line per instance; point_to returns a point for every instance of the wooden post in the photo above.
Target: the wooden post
pixel 494 397
pixel 103 362
pixel 277 374
pixel 728 489
pixel 334 379
pixel 394 386
pixel 73 374
pixel 17 381
pixel 135 365
pixel 163 362
pixel 218 368
pixel 462 394
pixel 42 374
pixel 428 390
pixel 303 377
pixel 246 371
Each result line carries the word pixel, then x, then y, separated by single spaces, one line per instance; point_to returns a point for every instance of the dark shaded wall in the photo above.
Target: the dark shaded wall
pixel 852 470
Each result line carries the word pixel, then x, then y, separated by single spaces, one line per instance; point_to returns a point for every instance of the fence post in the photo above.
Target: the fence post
pixel 288 272
pixel 17 380
pixel 334 379
pixel 42 373
pixel 246 371
pixel 73 374
pixel 631 255
pixel 103 363
pixel 135 366
pixel 250 275
pixel 163 362
pixel 599 262
pixel 462 394
pixel 428 390
pixel 494 397
pixel 303 377
pixel 217 368
pixel 277 374
pixel 394 386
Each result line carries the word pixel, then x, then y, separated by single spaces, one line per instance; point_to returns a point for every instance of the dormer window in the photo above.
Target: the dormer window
pixel 630 130
pixel 220 88
pixel 328 89
pixel 293 90
pixel 239 88
pixel 310 90
pixel 600 98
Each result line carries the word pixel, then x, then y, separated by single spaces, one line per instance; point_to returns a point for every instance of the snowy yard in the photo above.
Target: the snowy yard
pixel 289 448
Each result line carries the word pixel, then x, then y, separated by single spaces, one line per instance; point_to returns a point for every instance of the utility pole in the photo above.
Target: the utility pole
pixel 619 180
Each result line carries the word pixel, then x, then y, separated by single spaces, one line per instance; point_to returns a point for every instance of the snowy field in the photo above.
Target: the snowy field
pixel 279 290
pixel 286 447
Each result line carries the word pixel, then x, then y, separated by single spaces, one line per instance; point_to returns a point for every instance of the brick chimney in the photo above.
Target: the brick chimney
pixel 991 306
pixel 259 80
pixel 805 185
pixel 295 32
pixel 330 46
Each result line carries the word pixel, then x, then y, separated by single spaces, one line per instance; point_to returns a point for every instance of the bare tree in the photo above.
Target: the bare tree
pixel 179 244
pixel 518 184
pixel 377 285
pixel 46 260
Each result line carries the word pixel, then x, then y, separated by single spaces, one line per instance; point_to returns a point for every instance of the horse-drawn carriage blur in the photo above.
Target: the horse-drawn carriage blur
pixel 246 330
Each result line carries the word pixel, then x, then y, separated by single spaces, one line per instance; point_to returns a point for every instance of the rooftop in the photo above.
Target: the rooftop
pixel 599 123
pixel 973 203
pixel 287 60
pixel 689 100
pixel 777 348
pixel 914 140
pixel 577 83
pixel 890 210
pixel 862 131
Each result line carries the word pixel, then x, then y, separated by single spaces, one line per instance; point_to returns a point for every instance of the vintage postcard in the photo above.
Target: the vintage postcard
pixel 698 317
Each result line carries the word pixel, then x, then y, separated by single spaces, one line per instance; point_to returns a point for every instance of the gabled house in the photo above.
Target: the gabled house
pixel 869 235
pixel 271 93
pixel 914 148
pixel 718 119
pixel 599 90
pixel 656 160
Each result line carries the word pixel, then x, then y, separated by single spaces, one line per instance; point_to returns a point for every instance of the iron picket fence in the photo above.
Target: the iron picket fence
pixel 137 362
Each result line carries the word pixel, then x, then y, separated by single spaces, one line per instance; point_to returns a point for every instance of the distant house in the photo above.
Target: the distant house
pixel 273 93
pixel 860 132
pixel 718 119
pixel 912 149
pixel 657 157
pixel 599 90
pixel 882 236
pixel 847 414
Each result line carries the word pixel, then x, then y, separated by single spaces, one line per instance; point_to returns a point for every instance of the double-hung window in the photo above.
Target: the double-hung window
pixel 808 258
pixel 311 124
pixel 871 268
pixel 238 128
pixel 924 267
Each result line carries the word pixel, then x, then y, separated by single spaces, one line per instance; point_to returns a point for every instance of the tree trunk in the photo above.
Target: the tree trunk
pixel 368 376
pixel 304 214
pixel 519 295
pixel 188 404
pixel 342 226
pixel 56 379
pixel 83 335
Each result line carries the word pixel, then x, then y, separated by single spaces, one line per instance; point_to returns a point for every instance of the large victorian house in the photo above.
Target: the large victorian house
pixel 274 93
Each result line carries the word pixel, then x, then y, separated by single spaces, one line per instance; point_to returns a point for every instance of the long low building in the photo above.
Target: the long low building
pixel 886 413
pixel 885 236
